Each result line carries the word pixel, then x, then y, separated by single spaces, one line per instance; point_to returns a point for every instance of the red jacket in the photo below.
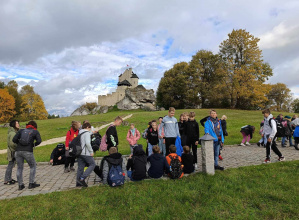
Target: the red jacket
pixel 70 135
pixel 132 139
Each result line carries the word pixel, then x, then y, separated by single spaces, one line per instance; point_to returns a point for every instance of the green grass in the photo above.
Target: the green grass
pixel 255 192
pixel 58 127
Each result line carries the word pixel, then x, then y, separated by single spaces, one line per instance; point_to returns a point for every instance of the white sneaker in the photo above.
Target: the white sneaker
pixel 242 144
pixel 247 143
pixel 196 166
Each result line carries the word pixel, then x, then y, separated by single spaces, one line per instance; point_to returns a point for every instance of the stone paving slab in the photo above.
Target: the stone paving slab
pixel 53 178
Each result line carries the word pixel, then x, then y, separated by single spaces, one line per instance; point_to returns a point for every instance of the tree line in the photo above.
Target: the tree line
pixel 234 78
pixel 22 105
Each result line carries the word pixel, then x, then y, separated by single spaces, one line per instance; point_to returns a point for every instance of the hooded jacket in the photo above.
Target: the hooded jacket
pixel 132 139
pixel 57 153
pixel 11 146
pixel 158 165
pixel 85 142
pixel 171 128
pixel 35 140
pixel 108 161
pixel 138 163
pixel 192 130
pixel 209 129
pixel 270 130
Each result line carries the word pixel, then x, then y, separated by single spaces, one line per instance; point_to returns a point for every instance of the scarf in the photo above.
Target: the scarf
pixel 30 126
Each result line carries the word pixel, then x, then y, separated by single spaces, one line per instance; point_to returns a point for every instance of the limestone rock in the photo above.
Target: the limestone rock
pixel 162 109
pixel 104 109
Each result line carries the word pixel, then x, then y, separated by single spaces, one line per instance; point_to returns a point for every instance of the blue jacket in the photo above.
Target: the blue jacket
pixel 209 129
pixel 296 132
pixel 178 144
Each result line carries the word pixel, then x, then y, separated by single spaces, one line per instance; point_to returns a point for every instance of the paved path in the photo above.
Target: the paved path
pixel 52 178
pixel 62 139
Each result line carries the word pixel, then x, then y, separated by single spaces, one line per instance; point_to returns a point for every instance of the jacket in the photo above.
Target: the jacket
pixel 35 140
pixel 224 129
pixel 158 165
pixel 209 129
pixel 152 136
pixel 248 130
pixel 170 125
pixel 203 121
pixel 132 139
pixel 112 159
pixel 11 146
pixel 296 132
pixel 85 143
pixel 192 130
pixel 138 163
pixel 270 130
pixel 57 153
pixel 70 135
pixel 112 138
pixel 288 129
pixel 187 161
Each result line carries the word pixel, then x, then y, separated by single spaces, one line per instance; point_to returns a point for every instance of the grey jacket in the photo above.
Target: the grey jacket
pixel 170 125
pixel 113 159
pixel 268 131
pixel 11 146
pixel 85 143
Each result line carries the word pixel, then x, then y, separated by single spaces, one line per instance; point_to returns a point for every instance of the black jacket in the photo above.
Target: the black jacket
pixel 138 163
pixel 57 153
pixel 35 140
pixel 203 121
pixel 152 136
pixel 192 130
pixel 158 166
pixel 223 124
pixel 112 134
pixel 187 161
pixel 288 129
pixel 248 130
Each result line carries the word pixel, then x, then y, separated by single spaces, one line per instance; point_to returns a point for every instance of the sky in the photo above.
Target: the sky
pixel 71 51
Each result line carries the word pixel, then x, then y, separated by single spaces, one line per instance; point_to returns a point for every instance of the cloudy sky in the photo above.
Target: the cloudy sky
pixel 73 50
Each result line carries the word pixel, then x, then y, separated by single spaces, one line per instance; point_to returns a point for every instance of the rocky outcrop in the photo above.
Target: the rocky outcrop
pixel 138 98
pixel 82 110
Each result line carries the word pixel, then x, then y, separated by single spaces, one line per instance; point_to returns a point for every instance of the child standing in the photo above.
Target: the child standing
pixel 187 160
pixel 192 133
pixel 133 136
pixel 182 128
pixel 161 139
pixel 152 137
pixel 111 133
pixel 269 132
pixel 247 132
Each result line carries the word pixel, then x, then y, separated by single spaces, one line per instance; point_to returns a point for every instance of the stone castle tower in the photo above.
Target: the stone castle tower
pixel 126 80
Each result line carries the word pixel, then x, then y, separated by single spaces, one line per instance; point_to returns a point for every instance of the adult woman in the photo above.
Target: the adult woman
pixel 11 148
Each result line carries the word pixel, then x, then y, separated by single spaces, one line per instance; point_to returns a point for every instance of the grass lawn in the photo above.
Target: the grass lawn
pixel 255 192
pixel 58 127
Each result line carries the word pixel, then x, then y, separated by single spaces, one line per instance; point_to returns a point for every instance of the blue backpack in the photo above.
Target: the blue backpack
pixel 115 176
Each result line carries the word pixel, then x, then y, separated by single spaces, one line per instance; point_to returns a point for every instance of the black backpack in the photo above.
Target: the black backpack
pixel 175 167
pixel 25 137
pixel 280 128
pixel 75 148
pixel 95 141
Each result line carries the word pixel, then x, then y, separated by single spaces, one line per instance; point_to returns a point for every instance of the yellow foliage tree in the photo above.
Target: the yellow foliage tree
pixel 7 105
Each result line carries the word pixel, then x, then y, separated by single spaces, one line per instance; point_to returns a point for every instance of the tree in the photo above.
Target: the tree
pixel 295 105
pixel 33 106
pixel 7 106
pixel 205 75
pixel 245 70
pixel 280 97
pixel 12 87
pixel 172 87
pixel 2 85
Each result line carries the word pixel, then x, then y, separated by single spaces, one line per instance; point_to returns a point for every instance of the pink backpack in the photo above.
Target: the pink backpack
pixel 104 145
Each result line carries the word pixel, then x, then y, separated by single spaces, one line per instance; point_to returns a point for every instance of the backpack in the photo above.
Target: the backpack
pixel 116 177
pixel 144 134
pixel 95 141
pixel 25 137
pixel 75 148
pixel 175 168
pixel 280 128
pixel 104 145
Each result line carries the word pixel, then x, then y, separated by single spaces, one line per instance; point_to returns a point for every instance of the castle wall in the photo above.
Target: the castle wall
pixel 113 98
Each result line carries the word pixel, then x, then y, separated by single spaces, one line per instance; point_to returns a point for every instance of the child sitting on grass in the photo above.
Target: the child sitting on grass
pixel 187 160
pixel 158 164
pixel 175 163
pixel 136 166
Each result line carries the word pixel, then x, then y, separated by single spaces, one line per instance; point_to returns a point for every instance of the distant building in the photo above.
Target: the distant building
pixel 126 80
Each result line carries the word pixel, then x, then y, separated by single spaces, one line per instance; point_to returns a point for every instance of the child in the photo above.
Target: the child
pixel 175 172
pixel 114 158
pixel 161 139
pixel 192 133
pixel 214 128
pixel 171 129
pixel 58 155
pixel 133 136
pixel 136 166
pixel 111 133
pixel 182 128
pixel 263 140
pixel 187 160
pixel 158 164
pixel 269 132
pixel 70 135
pixel 247 132
pixel 295 123
pixel 152 138
pixel 224 129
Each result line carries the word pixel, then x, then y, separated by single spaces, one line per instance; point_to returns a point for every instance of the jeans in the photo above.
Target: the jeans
pixel 82 162
pixel 284 139
pixel 162 146
pixel 129 174
pixel 150 149
pixel 9 170
pixel 263 140
pixel 29 157
pixel 216 152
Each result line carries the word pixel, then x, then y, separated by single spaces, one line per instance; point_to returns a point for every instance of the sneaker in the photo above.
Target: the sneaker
pixel 195 166
pixel 242 145
pixel 21 187
pixel 281 159
pixel 82 183
pixel 220 157
pixel 72 169
pixel 267 161
pixel 66 170
pixel 258 144
pixel 247 143
pixel 219 168
pixel 296 146
pixel 33 185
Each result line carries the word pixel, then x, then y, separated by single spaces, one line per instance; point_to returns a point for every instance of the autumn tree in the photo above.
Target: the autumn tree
pixel 33 106
pixel 245 70
pixel 280 97
pixel 12 87
pixel 7 106
pixel 172 87
pixel 295 105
